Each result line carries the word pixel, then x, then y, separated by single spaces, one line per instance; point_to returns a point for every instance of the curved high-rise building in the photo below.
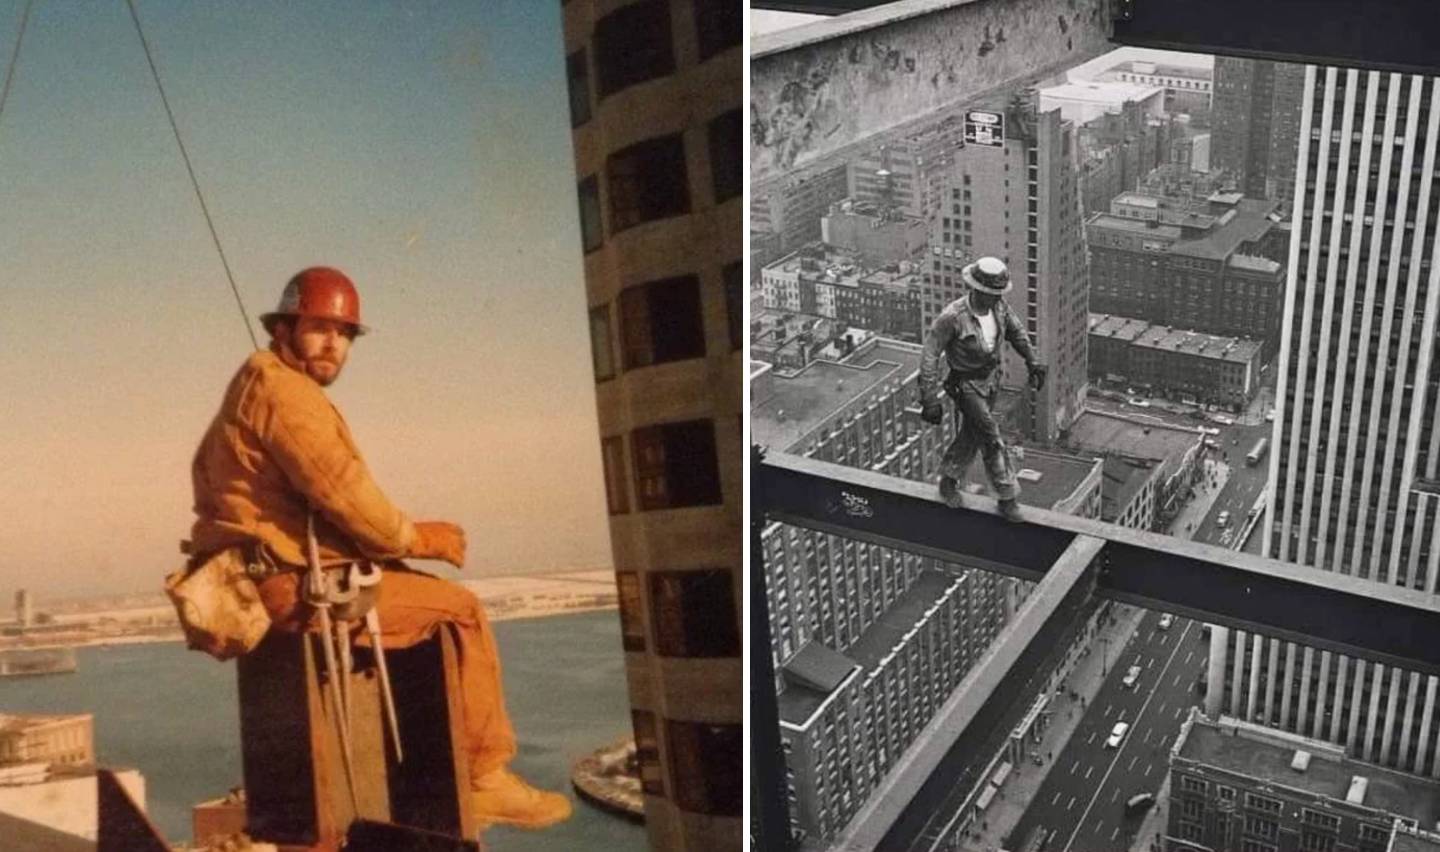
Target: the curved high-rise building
pixel 655 92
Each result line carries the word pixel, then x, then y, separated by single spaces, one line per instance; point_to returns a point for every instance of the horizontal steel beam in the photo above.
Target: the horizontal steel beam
pixel 1398 35
pixel 1388 624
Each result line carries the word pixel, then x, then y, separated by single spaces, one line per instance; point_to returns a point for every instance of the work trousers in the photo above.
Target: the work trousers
pixel 412 605
pixel 978 432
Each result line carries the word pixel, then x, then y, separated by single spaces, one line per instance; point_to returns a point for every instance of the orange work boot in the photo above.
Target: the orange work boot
pixel 502 797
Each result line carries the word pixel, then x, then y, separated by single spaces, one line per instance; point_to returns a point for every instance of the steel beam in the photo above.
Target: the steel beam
pixel 1398 35
pixel 818 89
pixel 1387 624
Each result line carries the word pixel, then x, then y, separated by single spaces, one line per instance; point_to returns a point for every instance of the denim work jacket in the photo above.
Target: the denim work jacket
pixel 956 334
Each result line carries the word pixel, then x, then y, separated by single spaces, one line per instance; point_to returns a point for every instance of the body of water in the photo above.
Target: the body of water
pixel 172 714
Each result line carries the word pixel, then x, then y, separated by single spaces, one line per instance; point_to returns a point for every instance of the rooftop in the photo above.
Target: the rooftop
pixel 1052 477
pixel 1232 349
pixel 1249 222
pixel 1136 226
pixel 1150 439
pixel 1257 264
pixel 810 677
pixel 1117 327
pixel 1123 479
pixel 801 402
pixel 1140 67
pixel 1266 754
pixel 1101 92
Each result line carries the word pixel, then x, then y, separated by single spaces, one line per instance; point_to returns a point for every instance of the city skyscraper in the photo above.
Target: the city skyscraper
pixel 1356 447
pixel 1255 118
pixel 655 91
pixel 1019 201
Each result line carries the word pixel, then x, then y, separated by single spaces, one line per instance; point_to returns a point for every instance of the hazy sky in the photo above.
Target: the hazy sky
pixel 423 147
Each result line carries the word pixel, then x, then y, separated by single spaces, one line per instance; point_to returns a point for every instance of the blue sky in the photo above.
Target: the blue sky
pixel 423 147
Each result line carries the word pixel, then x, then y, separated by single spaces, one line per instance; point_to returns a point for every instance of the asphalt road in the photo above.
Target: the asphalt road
pixel 1083 798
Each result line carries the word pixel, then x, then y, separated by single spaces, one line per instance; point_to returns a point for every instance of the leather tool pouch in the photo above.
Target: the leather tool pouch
pixel 219 607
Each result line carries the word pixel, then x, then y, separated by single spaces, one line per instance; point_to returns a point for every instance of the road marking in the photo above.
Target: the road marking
pixel 1130 767
pixel 1055 801
pixel 1162 707
pixel 1176 681
pixel 1091 739
pixel 1088 771
pixel 1147 736
pixel 1177 712
pixel 1114 831
pixel 1108 708
pixel 1071 805
pixel 1162 741
pixel 1115 796
pixel 1148 767
pixel 1076 765
pixel 1101 786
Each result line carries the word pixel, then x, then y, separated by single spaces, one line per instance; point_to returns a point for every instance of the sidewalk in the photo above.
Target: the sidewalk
pixel 1152 828
pixel 1025 779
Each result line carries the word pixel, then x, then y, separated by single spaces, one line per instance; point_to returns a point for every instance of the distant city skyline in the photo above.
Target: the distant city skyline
pixel 423 148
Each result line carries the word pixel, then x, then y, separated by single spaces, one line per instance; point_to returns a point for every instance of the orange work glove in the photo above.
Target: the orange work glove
pixel 439 540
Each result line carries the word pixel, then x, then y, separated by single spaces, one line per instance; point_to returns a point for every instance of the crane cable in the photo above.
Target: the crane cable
pixel 244 316
pixel 14 56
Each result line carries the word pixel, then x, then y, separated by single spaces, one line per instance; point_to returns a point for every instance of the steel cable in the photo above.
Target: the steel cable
pixel 210 223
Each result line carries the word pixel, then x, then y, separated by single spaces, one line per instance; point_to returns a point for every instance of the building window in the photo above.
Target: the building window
pixel 1314 841
pixel 632 45
pixel 705 762
pixel 675 465
pixel 602 353
pixel 725 155
pixel 577 73
pixel 660 321
pixel 734 302
pixel 718 25
pixel 1265 829
pixel 694 613
pixel 647 181
pixel 612 454
pixel 591 235
pixel 632 611
pixel 647 752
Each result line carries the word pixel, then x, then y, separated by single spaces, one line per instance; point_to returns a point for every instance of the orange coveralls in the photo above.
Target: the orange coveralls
pixel 277 447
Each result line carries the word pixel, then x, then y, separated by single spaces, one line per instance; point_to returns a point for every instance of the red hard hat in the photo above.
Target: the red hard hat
pixel 319 292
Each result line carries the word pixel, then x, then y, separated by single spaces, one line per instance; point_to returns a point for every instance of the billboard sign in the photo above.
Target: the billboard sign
pixel 985 128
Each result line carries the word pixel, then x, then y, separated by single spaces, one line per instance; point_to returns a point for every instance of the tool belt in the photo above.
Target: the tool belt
pixel 217 602
pixel 955 378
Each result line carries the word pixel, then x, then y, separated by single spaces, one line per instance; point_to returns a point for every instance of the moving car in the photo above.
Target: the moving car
pixel 1166 620
pixel 1132 676
pixel 1224 519
pixel 1139 803
pixel 1117 734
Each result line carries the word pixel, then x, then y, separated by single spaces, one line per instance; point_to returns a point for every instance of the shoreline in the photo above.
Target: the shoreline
pixel 178 636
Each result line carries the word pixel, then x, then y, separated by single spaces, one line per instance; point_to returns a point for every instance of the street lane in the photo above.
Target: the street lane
pixel 1085 805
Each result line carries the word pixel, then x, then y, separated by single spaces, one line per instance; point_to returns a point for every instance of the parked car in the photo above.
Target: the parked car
pixel 1139 803
pixel 1223 420
pixel 1166 620
pixel 1132 676
pixel 1270 415
pixel 1138 402
pixel 1117 734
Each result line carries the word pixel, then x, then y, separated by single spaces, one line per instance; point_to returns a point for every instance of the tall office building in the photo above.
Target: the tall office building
pixel 789 210
pixel 1356 448
pixel 655 97
pixel 1019 201
pixel 1255 117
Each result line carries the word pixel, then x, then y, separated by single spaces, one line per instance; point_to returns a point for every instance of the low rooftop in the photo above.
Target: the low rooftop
pixel 1266 755
pixel 1213 346
pixel 1046 478
pixel 1250 220
pixel 1117 327
pixel 1111 433
pixel 888 631
pixel 801 402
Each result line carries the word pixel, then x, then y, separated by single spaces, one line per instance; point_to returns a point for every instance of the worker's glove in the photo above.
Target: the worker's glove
pixel 439 540
pixel 1037 375
pixel 932 413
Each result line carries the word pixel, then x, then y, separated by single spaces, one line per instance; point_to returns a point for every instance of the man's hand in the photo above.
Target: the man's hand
pixel 1037 375
pixel 932 413
pixel 439 540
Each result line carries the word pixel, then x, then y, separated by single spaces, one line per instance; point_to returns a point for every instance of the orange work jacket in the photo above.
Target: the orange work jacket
pixel 277 447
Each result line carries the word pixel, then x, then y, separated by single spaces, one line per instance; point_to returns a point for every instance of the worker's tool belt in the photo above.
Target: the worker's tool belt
pixel 955 378
pixel 348 595
pixel 217 602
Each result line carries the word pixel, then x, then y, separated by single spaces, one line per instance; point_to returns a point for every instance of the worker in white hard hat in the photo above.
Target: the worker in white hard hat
pixel 967 334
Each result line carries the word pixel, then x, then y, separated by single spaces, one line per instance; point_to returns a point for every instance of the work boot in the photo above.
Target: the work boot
pixel 502 797
pixel 950 492
pixel 1011 510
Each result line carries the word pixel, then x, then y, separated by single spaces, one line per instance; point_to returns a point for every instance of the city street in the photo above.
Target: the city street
pixel 1083 798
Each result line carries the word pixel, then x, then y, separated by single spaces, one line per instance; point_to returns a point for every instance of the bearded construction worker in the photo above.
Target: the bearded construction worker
pixel 967 336
pixel 279 447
